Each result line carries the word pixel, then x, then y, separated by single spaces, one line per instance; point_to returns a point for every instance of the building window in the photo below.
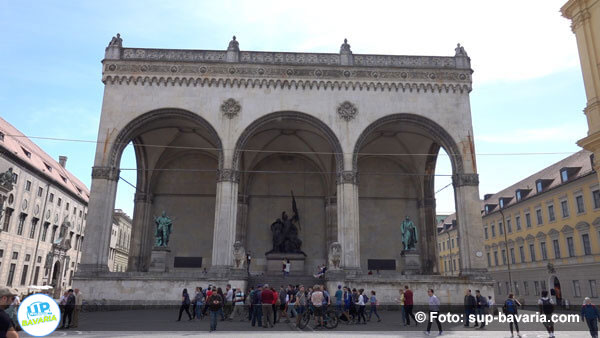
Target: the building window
pixel 516 288
pixel 564 175
pixel 564 207
pixel 528 220
pixel 452 243
pixel 36 275
pixel 551 216
pixel 51 198
pixel 74 210
pixel 28 186
pixel 24 274
pixel 1 253
pixel 508 226
pixel 15 255
pixel 40 191
pixel 21 222
pixel 526 288
pixel 489 257
pixel 67 207
pixel 503 257
pixel 539 186
pixel 11 275
pixel 507 287
pixel 522 254
pixel 54 228
pixel 579 202
pixel 571 247
pixel 39 259
pixel 445 266
pixel 45 231
pixel 7 215
pixel 536 288
pixel 596 197
pixel 454 264
pixel 513 259
pixel 518 222
pixel 500 228
pixel 444 245
pixel 27 257
pixel 532 252
pixel 593 289
pixel 556 246
pixel 34 222
pixel 496 258
pixel 543 250
pixel 499 288
pixel 59 201
pixel 485 232
pixel 576 289
pixel 585 239
pixel 538 216
pixel 543 285
pixel 493 230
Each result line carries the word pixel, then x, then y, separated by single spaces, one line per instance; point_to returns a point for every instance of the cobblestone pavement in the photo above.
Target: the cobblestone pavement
pixel 162 323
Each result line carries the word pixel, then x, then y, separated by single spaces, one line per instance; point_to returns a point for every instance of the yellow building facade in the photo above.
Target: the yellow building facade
pixel 585 24
pixel 447 245
pixel 543 233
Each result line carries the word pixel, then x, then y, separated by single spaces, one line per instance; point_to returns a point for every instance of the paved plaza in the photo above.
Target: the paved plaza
pixel 162 323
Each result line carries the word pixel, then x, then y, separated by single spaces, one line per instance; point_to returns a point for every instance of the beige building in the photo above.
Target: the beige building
pixel 447 245
pixel 119 242
pixel 543 233
pixel 585 18
pixel 43 218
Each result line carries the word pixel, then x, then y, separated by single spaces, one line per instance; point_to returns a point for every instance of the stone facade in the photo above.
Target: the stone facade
pixel 447 244
pixel 119 242
pixel 46 204
pixel 222 137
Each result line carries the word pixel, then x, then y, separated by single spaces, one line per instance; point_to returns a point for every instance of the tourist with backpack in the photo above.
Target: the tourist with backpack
pixel 185 304
pixel 361 304
pixel 510 309
pixel 546 306
pixel 590 313
pixel 257 306
pixel 215 306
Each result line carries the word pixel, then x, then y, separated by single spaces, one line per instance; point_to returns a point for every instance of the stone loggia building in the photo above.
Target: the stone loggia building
pixel 354 136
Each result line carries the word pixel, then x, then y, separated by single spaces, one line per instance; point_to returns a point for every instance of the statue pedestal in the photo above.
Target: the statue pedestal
pixel 275 262
pixel 411 263
pixel 161 259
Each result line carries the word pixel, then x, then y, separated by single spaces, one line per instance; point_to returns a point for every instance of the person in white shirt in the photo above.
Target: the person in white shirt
pixel 228 301
pixel 238 305
pixel 434 306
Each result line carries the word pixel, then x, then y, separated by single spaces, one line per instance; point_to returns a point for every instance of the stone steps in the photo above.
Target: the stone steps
pixel 276 281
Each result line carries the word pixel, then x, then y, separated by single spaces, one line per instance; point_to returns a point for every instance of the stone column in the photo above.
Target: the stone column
pixel 139 249
pixel 348 221
pixel 470 228
pixel 225 219
pixel 331 220
pixel 242 220
pixel 101 206
pixel 428 239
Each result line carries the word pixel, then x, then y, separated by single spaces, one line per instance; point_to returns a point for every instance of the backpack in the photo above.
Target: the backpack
pixel 547 307
pixel 255 297
pixel 365 299
pixel 510 306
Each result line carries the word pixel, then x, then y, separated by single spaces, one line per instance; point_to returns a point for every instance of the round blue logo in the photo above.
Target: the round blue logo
pixel 39 315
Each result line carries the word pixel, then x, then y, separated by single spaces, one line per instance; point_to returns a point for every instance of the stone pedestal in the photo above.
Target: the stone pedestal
pixel 275 262
pixel 411 263
pixel 161 260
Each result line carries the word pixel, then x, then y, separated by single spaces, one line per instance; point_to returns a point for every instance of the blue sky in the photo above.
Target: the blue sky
pixel 527 94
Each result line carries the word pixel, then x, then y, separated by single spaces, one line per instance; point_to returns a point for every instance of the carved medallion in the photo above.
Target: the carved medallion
pixel 231 108
pixel 347 110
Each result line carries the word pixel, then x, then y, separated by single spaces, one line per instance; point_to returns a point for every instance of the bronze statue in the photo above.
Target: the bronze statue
pixel 285 232
pixel 409 234
pixel 164 225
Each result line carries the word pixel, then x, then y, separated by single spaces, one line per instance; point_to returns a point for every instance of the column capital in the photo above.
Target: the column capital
pixel 242 199
pixel 142 197
pixel 228 175
pixel 347 176
pixel 105 173
pixel 459 180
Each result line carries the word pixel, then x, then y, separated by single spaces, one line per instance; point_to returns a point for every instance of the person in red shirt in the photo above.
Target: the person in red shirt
pixel 267 300
pixel 408 305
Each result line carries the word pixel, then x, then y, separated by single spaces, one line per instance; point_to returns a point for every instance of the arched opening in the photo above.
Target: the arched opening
pixel 277 154
pixel 56 275
pixel 177 154
pixel 396 160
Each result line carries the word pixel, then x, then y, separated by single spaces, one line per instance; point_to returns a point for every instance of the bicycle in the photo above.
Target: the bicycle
pixel 330 319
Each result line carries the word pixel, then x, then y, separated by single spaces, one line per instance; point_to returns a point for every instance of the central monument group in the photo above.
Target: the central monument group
pixel 221 138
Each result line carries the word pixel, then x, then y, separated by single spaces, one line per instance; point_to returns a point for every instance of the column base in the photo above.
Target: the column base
pixel 411 263
pixel 91 269
pixel 161 260
pixel 476 274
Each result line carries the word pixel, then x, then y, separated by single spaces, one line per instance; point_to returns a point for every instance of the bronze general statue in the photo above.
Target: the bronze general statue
pixel 409 234
pixel 164 225
pixel 285 232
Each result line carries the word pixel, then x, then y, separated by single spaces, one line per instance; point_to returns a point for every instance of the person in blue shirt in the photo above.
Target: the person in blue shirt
pixel 590 313
pixel 373 309
pixel 338 300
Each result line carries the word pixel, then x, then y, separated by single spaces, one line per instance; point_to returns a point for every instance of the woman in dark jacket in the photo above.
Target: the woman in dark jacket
pixel 185 304
pixel 221 313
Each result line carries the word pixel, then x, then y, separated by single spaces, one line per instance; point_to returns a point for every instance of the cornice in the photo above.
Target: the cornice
pixel 285 77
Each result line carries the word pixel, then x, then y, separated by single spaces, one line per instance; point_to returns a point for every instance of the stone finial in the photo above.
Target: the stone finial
pixel 234 45
pixel 345 47
pixel 460 50
pixel 116 41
